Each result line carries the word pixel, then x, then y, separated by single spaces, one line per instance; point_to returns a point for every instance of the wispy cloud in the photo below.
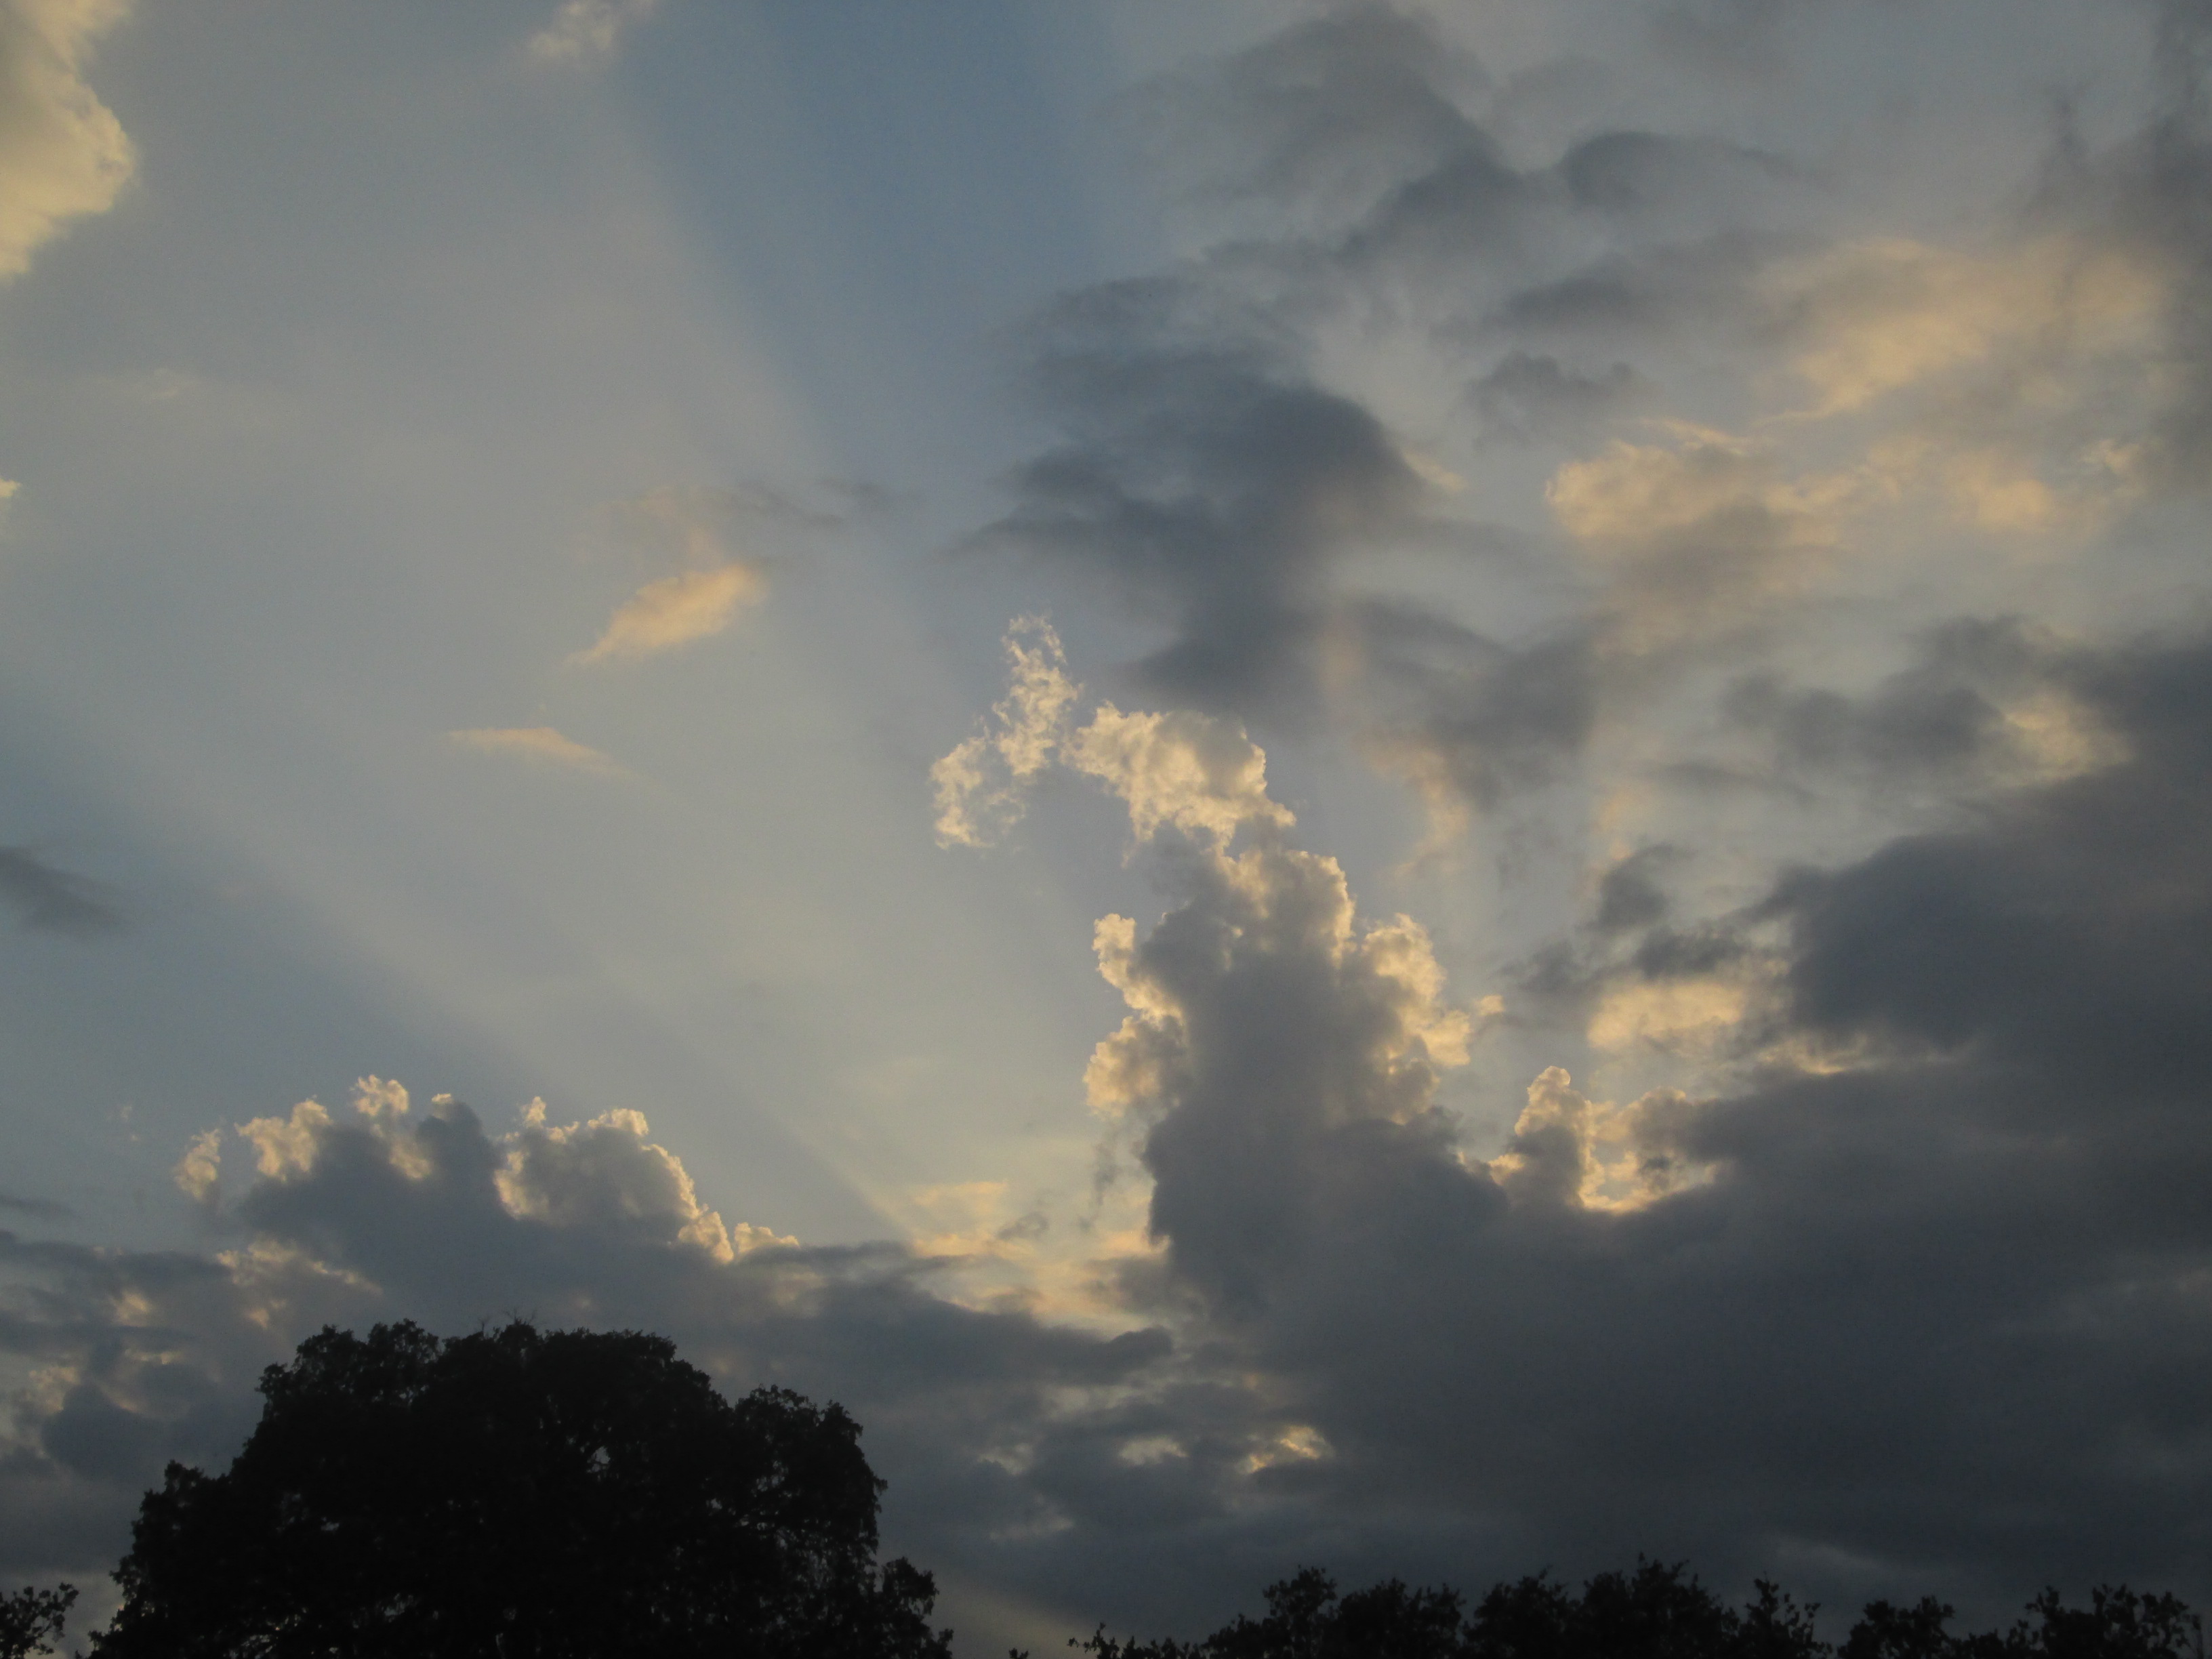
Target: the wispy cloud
pixel 584 31
pixel 55 900
pixel 542 745
pixel 675 611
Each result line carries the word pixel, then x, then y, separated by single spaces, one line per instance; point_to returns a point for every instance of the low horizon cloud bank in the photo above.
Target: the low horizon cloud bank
pixel 1919 1299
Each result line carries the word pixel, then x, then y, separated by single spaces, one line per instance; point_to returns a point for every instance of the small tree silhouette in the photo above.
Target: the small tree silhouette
pixel 521 1495
pixel 30 1620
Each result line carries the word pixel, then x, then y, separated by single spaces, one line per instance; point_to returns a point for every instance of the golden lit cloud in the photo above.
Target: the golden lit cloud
pixel 980 784
pixel 675 611
pixel 1569 1148
pixel 1670 1015
pixel 1882 316
pixel 540 745
pixel 63 154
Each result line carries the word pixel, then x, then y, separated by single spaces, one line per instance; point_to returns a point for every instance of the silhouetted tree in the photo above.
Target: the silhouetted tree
pixel 520 1495
pixel 30 1620
pixel 1656 1612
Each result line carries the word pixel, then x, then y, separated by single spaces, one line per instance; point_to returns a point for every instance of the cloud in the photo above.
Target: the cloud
pixel 1530 397
pixel 1954 1174
pixel 980 785
pixel 1915 1291
pixel 1882 316
pixel 56 901
pixel 1184 770
pixel 586 31
pixel 675 611
pixel 540 745
pixel 1990 699
pixel 1213 486
pixel 382 1208
pixel 63 154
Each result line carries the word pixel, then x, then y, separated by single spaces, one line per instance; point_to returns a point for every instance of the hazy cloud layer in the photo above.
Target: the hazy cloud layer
pixel 55 900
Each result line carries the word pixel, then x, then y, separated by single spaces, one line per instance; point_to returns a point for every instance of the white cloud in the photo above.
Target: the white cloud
pixel 541 744
pixel 1179 769
pixel 675 611
pixel 583 30
pixel 605 1173
pixel 62 153
pixel 980 784
pixel 1190 771
pixel 198 1173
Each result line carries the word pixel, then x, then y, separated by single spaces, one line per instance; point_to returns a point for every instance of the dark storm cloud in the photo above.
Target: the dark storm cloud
pixel 1932 1309
pixel 55 900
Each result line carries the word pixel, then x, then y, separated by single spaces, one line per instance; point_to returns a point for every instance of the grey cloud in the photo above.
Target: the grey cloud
pixel 1702 285
pixel 365 1215
pixel 1212 485
pixel 1736 37
pixel 44 1209
pixel 1942 713
pixel 1532 397
pixel 1216 489
pixel 56 901
pixel 1630 894
pixel 1329 115
pixel 1929 1312
pixel 1468 717
pixel 1925 1316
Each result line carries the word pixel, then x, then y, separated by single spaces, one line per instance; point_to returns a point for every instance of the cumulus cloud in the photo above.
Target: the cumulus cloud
pixel 1180 769
pixel 1948 1171
pixel 540 745
pixel 980 783
pixel 62 153
pixel 381 1208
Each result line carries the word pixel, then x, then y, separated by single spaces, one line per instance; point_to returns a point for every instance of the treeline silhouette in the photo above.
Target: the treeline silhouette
pixel 1656 1612
pixel 519 1494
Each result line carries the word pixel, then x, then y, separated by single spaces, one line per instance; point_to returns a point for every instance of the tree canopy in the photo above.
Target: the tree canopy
pixel 521 1494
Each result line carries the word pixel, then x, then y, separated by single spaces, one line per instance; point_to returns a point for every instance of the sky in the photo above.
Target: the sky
pixel 1419 787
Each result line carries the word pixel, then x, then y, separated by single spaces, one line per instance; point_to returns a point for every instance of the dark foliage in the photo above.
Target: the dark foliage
pixel 1656 1612
pixel 523 1495
pixel 30 1620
